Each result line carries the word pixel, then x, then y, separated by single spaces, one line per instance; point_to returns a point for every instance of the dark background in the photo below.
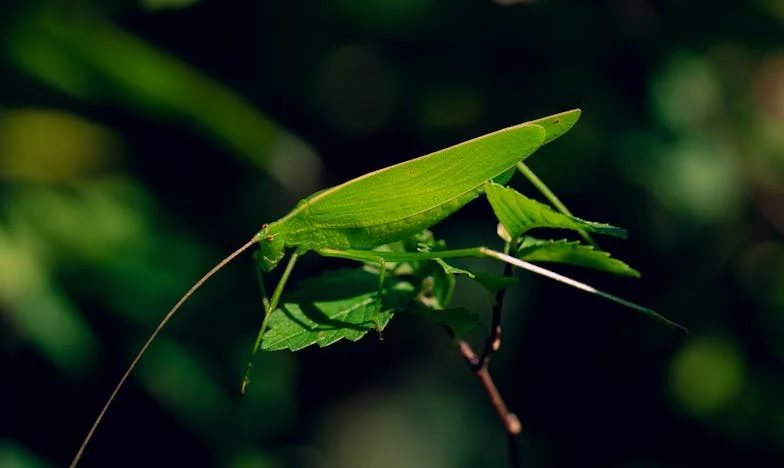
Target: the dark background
pixel 140 141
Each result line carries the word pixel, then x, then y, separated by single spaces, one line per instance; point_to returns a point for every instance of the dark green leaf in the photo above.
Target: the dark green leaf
pixel 519 214
pixel 572 253
pixel 438 284
pixel 339 304
pixel 494 283
pixel 451 270
pixel 460 320
pixel 441 273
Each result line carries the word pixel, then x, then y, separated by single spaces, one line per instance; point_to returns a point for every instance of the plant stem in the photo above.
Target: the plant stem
pixel 479 365
pixel 373 256
pixel 551 197
pixel 493 341
pixel 509 420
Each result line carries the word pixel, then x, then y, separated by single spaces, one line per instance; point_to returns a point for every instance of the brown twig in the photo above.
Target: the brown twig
pixel 479 365
pixel 493 341
pixel 509 420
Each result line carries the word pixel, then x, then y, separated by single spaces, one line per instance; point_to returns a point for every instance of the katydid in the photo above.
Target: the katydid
pixel 351 219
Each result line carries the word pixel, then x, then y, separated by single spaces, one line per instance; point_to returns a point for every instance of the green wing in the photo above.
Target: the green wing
pixel 557 124
pixel 390 203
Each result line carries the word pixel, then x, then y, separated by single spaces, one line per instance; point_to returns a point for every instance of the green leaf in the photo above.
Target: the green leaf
pixel 519 214
pixel 339 304
pixel 438 284
pixel 438 278
pixel 440 272
pixel 494 283
pixel 459 319
pixel 572 253
pixel 451 270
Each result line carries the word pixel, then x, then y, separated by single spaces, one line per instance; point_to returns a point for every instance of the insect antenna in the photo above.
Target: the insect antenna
pixel 149 341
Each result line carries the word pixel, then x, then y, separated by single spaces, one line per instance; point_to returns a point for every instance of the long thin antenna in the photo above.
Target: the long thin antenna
pixel 152 337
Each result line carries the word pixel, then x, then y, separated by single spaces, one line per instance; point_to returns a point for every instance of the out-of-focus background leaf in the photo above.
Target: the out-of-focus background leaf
pixel 140 141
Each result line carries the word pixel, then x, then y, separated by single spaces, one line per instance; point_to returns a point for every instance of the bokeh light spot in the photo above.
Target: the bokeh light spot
pixel 50 145
pixel 685 93
pixel 696 177
pixel 768 87
pixel 14 455
pixel 37 310
pixel 707 375
pixel 296 166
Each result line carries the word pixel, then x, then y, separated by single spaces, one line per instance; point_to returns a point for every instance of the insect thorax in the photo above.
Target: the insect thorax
pixel 271 247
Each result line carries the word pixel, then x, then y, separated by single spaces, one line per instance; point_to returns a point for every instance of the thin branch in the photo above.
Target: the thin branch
pixel 479 365
pixel 509 420
pixel 493 341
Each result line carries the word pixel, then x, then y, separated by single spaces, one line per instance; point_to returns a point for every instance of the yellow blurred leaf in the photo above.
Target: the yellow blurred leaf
pixel 52 146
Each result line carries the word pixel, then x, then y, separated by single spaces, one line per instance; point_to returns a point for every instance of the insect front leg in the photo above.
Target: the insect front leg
pixel 260 280
pixel 269 307
pixel 382 269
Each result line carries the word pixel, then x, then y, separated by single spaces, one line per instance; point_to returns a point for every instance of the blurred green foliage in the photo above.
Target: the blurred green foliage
pixel 141 141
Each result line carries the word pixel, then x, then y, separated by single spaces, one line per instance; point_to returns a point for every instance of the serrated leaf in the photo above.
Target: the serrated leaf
pixel 292 327
pixel 572 253
pixel 341 304
pixel 440 245
pixel 494 283
pixel 443 280
pixel 438 278
pixel 519 214
pixel 459 319
pixel 452 270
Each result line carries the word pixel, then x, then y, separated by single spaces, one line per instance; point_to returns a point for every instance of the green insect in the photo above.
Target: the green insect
pixel 351 219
